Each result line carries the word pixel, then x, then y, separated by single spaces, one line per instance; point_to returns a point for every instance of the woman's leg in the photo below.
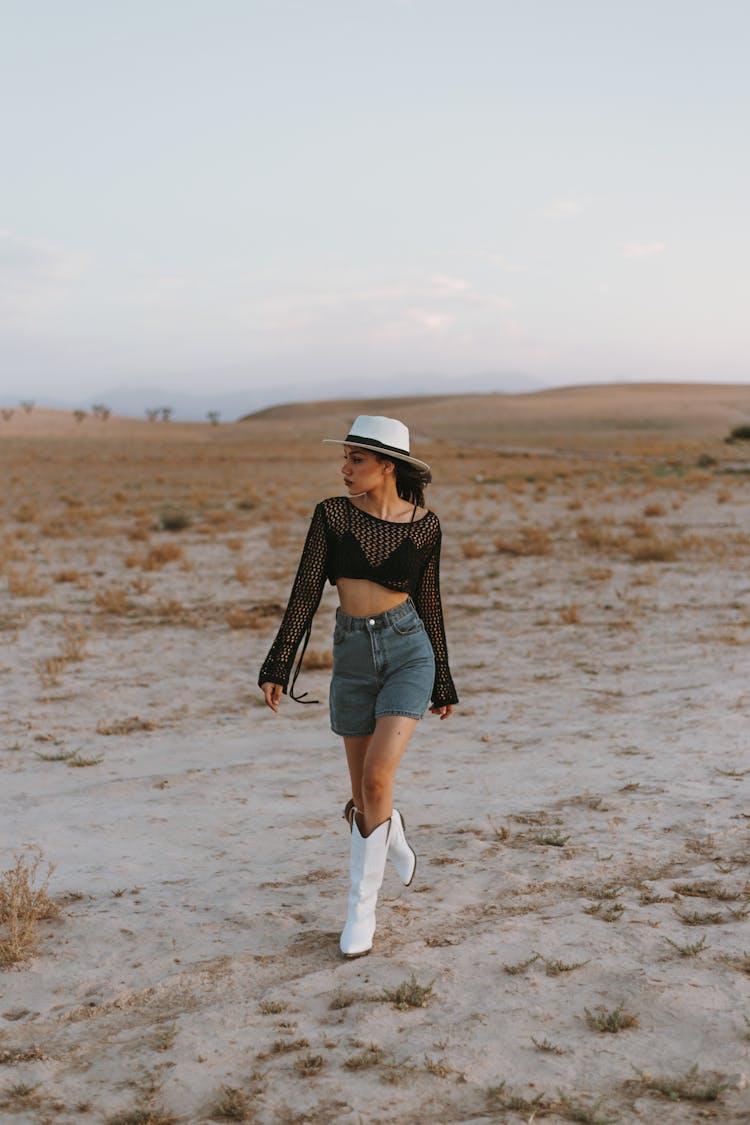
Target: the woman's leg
pixel 373 762
pixel 356 752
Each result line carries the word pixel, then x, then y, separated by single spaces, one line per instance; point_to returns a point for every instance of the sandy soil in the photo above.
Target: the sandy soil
pixel 582 822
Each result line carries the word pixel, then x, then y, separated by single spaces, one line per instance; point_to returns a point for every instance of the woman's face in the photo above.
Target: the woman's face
pixel 363 471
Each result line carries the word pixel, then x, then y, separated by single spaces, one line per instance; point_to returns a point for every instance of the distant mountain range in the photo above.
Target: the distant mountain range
pixel 134 401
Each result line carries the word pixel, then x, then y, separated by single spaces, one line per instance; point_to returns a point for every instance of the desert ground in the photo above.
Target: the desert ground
pixel 575 945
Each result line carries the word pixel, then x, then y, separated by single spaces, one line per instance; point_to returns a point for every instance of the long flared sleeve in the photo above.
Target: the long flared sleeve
pixel 304 600
pixel 429 608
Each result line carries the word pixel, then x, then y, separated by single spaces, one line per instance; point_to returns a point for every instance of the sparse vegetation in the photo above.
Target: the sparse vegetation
pixel 371 1056
pixel 528 541
pixel 232 1104
pixel 700 918
pixel 689 950
pixel 272 1007
pixel 409 994
pixel 174 519
pixel 612 1021
pixel 521 966
pixel 552 839
pixel 341 1000
pixel 558 641
pixel 605 913
pixel 24 903
pixel 739 433
pixel 583 1112
pixel 309 1066
pixel 693 1086
pixel 143 1115
pixel 555 967
pixel 547 1047
pixel 284 1046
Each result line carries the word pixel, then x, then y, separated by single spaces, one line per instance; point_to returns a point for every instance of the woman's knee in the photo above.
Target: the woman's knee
pixel 376 784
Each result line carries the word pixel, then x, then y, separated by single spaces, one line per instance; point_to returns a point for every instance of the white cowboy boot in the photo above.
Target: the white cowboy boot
pixel 401 853
pixel 366 868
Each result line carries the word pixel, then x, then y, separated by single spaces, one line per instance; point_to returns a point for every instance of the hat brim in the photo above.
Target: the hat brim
pixel 390 454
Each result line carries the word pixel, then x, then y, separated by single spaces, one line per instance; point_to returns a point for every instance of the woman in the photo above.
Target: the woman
pixel 381 548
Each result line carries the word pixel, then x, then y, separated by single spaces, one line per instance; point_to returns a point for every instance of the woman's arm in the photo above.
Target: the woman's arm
pixel 304 600
pixel 430 609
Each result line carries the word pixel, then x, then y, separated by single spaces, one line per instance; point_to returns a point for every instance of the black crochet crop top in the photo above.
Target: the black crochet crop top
pixel 345 542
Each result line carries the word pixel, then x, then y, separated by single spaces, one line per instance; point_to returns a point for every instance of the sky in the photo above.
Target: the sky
pixel 289 198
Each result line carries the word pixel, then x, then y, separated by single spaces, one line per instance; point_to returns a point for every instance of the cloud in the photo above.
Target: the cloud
pixel 562 209
pixel 448 286
pixel 643 249
pixel 24 262
pixel 433 322
pixel 34 275
pixel 503 261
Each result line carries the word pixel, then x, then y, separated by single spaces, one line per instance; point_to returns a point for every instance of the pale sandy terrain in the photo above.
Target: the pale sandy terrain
pixel 585 811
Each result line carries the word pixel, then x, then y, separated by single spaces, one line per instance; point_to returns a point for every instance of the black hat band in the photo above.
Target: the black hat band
pixel 354 439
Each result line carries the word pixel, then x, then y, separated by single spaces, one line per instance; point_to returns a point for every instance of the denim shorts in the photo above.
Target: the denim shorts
pixel 382 665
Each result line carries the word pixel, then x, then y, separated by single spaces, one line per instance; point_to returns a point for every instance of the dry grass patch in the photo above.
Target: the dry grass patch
pixel 651 548
pixel 24 903
pixel 126 726
pixel 546 1046
pixel 691 949
pixel 408 994
pixel 691 1087
pixel 599 573
pixel 272 1007
pixel 72 651
pixel 232 1104
pixel 342 1000
pixel 599 536
pixel 529 541
pixel 309 1066
pixel 26 583
pixel 698 918
pixel 174 519
pixel 320 658
pixel 284 1046
pixel 239 618
pixel 12 1056
pixel 162 554
pixel 521 966
pixel 605 914
pixel 28 512
pixel 371 1056
pixel 708 889
pixel 172 609
pixel 74 577
pixel 540 1106
pixel 471 549
pixel 143 1115
pixel 611 1021
pixel 555 967
pixel 261 616
pixel 114 601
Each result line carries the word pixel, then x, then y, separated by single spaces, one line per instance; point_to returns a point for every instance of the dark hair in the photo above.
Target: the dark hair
pixel 410 481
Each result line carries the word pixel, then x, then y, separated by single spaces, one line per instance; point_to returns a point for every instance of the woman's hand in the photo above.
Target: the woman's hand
pixel 272 694
pixel 444 712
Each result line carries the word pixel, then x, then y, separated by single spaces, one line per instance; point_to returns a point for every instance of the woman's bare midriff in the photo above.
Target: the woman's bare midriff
pixel 360 598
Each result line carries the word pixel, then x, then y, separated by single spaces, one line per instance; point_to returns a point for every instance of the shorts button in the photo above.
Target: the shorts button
pixel 371 621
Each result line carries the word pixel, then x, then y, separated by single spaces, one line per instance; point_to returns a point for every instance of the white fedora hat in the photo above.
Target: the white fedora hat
pixel 380 435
